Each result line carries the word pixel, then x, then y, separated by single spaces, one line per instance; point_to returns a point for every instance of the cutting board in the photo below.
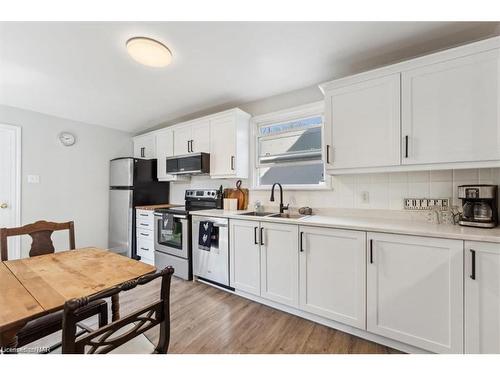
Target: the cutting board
pixel 239 193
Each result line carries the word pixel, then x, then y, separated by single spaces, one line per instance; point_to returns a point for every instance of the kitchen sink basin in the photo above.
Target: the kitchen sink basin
pixel 273 214
pixel 257 214
pixel 287 216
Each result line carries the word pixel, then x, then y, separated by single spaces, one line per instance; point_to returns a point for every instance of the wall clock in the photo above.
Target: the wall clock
pixel 67 139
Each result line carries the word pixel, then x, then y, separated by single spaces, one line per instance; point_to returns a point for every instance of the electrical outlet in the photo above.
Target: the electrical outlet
pixel 365 197
pixel 33 179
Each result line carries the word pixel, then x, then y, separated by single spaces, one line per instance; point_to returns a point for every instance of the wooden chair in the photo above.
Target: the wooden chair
pixel 41 233
pixel 119 332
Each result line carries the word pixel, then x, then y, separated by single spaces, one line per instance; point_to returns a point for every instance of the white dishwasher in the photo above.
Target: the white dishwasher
pixel 212 264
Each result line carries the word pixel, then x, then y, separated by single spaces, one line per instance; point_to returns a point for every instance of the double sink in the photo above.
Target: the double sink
pixel 274 215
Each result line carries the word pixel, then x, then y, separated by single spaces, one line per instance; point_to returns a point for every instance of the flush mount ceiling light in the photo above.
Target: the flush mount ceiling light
pixel 149 52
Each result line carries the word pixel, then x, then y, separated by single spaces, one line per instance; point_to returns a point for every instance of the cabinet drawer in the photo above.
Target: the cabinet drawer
pixel 145 219
pixel 145 248
pixel 145 235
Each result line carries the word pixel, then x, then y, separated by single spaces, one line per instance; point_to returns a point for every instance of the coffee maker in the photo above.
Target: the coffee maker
pixel 479 205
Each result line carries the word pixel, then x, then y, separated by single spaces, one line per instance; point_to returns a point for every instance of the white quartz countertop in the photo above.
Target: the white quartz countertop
pixel 371 224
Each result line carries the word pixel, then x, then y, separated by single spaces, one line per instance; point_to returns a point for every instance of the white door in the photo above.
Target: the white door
pixel 363 124
pixel 200 137
pixel 333 274
pixel 10 158
pixel 280 263
pixel 450 110
pixel 223 146
pixel 182 140
pixel 145 147
pixel 415 290
pixel 482 297
pixel 244 253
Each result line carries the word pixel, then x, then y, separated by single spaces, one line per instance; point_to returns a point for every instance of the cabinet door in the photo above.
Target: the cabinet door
pixel 415 291
pixel 145 147
pixel 280 263
pixel 333 274
pixel 482 297
pixel 245 256
pixel 223 146
pixel 182 139
pixel 450 111
pixel 164 149
pixel 363 124
pixel 200 137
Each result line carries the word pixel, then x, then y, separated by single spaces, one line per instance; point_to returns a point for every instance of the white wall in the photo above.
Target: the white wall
pixel 73 180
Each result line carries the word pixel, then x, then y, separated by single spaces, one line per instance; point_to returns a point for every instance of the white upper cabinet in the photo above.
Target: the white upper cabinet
pixel 229 145
pixel 165 149
pixel 200 137
pixel 451 110
pixel 145 146
pixel 415 290
pixel 279 263
pixel 182 140
pixel 438 111
pixel 482 298
pixel 192 137
pixel 363 124
pixel 333 274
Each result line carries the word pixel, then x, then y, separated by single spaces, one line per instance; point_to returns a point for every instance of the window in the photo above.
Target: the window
pixel 288 148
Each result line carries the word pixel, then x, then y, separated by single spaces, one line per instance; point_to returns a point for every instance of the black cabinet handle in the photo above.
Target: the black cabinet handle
pixel 262 235
pixel 192 145
pixel 371 251
pixel 143 248
pixel 188 142
pixel 232 163
pixel 301 242
pixel 327 154
pixel 145 225
pixel 473 264
pixel 255 236
pixel 143 154
pixel 406 146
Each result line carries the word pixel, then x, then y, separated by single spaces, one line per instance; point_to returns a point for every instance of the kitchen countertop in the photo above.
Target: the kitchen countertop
pixel 372 224
pixel 153 207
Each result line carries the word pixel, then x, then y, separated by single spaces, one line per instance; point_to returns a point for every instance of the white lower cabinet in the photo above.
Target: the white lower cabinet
pixel 415 290
pixel 145 246
pixel 244 252
pixel 279 259
pixel 482 297
pixel 333 274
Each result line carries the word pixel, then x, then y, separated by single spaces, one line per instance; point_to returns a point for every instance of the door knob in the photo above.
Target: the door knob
pixel 4 205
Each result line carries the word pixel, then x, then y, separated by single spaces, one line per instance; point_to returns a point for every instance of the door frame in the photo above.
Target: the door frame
pixel 17 173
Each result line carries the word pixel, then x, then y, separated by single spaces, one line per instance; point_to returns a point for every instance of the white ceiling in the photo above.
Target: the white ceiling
pixel 81 71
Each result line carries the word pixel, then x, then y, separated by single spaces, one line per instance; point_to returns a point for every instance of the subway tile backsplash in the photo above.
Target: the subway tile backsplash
pixel 385 190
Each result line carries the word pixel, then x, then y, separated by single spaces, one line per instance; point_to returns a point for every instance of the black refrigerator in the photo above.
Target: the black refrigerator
pixel 133 182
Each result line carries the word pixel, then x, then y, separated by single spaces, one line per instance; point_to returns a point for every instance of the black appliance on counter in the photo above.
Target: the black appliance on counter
pixel 173 230
pixel 479 205
pixel 133 182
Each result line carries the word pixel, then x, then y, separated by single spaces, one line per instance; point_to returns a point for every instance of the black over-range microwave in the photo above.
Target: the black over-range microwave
pixel 198 163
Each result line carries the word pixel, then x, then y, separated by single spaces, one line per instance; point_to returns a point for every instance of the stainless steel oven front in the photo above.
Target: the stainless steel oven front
pixel 172 234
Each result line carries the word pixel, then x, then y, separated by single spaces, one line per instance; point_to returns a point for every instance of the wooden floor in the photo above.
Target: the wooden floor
pixel 207 320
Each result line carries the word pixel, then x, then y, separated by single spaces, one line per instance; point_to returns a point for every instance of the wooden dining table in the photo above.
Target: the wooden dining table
pixel 33 287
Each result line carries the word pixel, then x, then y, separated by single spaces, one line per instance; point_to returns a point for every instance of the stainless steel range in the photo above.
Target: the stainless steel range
pixel 173 230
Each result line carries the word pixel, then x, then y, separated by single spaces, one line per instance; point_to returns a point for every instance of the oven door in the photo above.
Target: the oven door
pixel 172 234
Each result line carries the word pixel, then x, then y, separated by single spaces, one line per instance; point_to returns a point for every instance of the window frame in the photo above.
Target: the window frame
pixel 294 113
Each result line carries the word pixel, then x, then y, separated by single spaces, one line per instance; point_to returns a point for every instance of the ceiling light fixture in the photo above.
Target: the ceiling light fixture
pixel 149 52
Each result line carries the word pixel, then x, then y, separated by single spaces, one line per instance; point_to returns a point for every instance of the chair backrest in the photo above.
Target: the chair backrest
pixel 41 233
pixel 105 339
